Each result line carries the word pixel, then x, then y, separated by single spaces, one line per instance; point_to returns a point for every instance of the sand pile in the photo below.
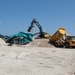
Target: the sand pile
pixel 2 42
pixel 35 43
pixel 36 61
pixel 40 43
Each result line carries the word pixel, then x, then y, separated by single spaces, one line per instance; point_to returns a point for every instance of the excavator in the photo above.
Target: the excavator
pixel 41 33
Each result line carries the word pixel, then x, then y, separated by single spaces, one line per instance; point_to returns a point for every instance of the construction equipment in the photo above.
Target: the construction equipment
pixel 21 38
pixel 41 33
pixel 61 39
pixel 58 38
pixel 70 41
pixel 4 37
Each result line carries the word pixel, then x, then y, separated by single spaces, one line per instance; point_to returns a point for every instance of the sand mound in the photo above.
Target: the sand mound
pixel 2 42
pixel 36 42
pixel 36 61
pixel 40 43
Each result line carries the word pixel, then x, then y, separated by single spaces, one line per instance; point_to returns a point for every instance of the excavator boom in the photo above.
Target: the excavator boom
pixel 32 25
pixel 41 34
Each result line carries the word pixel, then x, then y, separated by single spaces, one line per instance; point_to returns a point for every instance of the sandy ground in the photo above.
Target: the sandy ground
pixel 30 60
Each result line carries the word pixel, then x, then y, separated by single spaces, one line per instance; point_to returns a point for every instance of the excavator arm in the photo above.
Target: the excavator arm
pixel 42 34
pixel 32 25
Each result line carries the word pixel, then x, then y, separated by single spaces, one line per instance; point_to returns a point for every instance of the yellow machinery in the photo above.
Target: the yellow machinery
pixel 70 41
pixel 58 38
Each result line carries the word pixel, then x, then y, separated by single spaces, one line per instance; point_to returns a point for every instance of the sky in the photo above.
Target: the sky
pixel 17 15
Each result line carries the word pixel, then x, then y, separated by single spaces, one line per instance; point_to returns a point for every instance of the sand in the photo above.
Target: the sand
pixel 33 60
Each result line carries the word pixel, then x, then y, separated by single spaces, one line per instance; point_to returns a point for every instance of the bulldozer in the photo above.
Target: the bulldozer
pixel 41 33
